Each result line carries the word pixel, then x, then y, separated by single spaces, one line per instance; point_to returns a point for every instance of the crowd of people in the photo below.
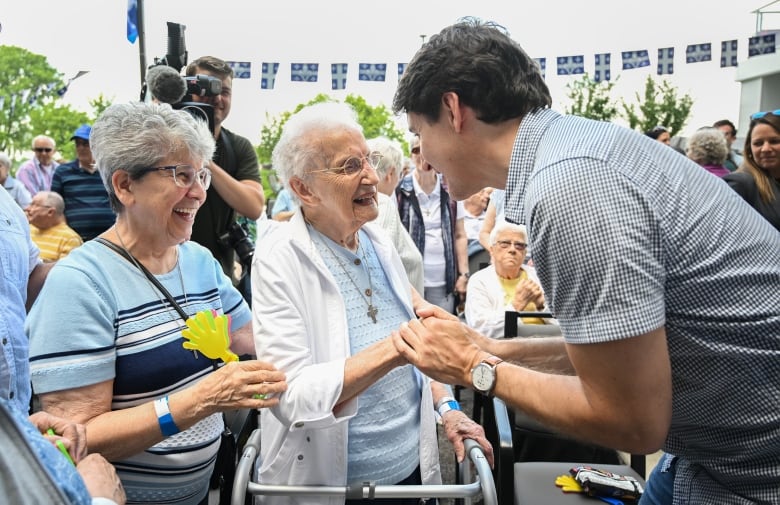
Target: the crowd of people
pixel 365 310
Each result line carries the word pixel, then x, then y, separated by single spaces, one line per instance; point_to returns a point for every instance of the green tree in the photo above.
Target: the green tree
pixel 661 105
pixel 27 82
pixel 58 121
pixel 591 99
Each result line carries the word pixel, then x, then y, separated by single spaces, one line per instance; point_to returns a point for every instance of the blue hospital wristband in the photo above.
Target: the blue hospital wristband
pixel 164 417
pixel 446 404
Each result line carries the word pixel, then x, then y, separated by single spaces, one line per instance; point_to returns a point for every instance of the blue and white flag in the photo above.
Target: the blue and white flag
pixel 602 70
pixel 571 65
pixel 698 52
pixel 542 64
pixel 762 44
pixel 268 75
pixel 241 69
pixel 665 60
pixel 401 68
pixel 304 72
pixel 635 59
pixel 338 75
pixel 132 20
pixel 728 53
pixel 372 71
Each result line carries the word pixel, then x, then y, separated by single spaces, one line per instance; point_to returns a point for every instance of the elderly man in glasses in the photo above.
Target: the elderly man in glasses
pixel 36 173
pixel 506 285
pixel 87 209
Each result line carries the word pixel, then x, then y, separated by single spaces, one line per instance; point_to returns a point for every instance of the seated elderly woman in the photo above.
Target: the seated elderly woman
pixel 506 285
pixel 106 343
pixel 328 290
pixel 708 148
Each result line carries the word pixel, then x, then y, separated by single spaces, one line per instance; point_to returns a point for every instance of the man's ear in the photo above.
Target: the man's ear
pixel 302 191
pixel 452 110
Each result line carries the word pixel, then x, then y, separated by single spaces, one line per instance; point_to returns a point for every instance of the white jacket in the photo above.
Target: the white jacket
pixel 300 325
pixel 485 308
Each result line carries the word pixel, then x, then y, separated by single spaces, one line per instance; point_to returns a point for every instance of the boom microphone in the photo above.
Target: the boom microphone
pixel 166 84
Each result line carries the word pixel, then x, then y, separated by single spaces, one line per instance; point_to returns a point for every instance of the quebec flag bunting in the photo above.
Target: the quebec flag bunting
pixel 304 72
pixel 602 71
pixel 666 60
pixel 338 73
pixel 571 65
pixel 268 75
pixel 542 63
pixel 635 59
pixel 728 53
pixel 698 52
pixel 372 71
pixel 763 44
pixel 401 68
pixel 241 69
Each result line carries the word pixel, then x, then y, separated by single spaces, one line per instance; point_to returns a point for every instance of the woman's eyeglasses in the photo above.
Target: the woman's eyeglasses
pixel 759 115
pixel 354 165
pixel 184 176
pixel 506 244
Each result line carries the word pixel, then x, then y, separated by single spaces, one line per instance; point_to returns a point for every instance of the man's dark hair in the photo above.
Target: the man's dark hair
pixel 726 122
pixel 479 62
pixel 214 65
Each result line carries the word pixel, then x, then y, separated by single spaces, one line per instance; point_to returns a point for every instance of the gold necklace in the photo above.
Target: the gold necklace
pixel 369 293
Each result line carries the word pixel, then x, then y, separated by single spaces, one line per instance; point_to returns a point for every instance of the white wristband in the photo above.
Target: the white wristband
pixel 446 406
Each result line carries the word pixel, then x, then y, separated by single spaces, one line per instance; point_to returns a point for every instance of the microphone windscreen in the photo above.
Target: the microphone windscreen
pixel 166 84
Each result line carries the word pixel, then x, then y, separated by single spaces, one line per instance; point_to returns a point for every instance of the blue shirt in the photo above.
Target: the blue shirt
pixel 87 209
pixel 283 202
pixel 18 257
pixel 630 236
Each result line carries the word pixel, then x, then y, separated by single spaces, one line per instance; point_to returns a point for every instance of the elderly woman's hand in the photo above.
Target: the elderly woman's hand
pixel 458 426
pixel 527 291
pixel 241 384
pixel 73 435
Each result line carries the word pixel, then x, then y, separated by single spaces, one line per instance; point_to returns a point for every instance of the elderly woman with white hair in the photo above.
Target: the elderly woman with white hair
pixel 507 284
pixel 328 290
pixel 106 346
pixel 708 147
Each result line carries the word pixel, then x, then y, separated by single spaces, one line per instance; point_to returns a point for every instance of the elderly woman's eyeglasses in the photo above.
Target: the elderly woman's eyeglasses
pixel 354 165
pixel 184 176
pixel 759 115
pixel 506 244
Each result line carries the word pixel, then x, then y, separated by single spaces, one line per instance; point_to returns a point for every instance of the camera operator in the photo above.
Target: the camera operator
pixel 235 174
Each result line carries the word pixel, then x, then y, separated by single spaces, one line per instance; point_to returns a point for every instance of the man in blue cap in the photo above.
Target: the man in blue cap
pixel 87 209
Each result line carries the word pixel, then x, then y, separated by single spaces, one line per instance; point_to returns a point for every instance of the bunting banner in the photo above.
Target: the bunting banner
pixel 338 72
pixel 762 44
pixel 132 21
pixel 728 53
pixel 372 71
pixel 304 72
pixel 542 64
pixel 698 52
pixel 666 61
pixel 602 70
pixel 241 69
pixel 635 59
pixel 571 65
pixel 268 75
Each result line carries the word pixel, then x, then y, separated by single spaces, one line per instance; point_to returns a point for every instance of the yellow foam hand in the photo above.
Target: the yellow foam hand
pixel 568 484
pixel 210 334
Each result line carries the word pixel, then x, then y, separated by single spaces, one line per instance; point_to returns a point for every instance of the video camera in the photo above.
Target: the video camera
pixel 165 83
pixel 237 237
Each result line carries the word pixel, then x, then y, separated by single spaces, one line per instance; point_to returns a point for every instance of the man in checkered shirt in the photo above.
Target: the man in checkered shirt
pixel 666 284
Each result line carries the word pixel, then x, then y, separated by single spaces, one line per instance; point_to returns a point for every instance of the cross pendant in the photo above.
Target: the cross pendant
pixel 372 312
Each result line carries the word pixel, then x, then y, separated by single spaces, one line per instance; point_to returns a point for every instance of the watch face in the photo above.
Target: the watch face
pixel 483 377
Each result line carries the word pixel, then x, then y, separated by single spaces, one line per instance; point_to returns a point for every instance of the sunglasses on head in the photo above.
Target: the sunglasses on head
pixel 42 149
pixel 759 115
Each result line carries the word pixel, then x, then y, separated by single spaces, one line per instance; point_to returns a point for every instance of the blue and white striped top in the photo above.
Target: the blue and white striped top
pixel 98 318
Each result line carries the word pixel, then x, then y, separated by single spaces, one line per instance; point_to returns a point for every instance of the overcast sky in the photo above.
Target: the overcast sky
pixel 90 35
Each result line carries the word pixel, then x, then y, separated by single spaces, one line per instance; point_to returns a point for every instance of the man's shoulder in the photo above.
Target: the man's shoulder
pixel 235 137
pixel 67 166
